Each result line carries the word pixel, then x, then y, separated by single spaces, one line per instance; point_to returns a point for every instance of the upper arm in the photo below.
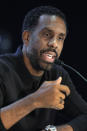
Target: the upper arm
pixel 2 93
pixel 75 104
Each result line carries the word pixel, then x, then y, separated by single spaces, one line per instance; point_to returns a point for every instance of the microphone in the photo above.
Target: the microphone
pixel 59 62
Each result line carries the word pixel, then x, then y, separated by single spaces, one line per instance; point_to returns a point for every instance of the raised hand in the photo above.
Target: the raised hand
pixel 52 94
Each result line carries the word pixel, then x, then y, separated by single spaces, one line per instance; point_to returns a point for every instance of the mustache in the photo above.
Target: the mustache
pixel 47 50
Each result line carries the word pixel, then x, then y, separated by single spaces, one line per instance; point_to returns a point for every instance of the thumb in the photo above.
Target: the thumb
pixel 59 80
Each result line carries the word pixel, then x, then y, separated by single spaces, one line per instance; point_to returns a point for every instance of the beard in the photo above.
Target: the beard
pixel 36 61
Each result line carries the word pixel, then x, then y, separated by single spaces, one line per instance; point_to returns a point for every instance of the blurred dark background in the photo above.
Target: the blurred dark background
pixel 74 53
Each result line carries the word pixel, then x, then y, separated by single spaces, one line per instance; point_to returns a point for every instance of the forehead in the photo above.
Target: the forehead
pixel 53 22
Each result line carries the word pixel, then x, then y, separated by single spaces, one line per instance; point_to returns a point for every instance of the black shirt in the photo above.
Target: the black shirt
pixel 16 82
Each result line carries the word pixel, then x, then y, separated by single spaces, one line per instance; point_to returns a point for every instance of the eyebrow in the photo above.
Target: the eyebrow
pixel 61 34
pixel 46 28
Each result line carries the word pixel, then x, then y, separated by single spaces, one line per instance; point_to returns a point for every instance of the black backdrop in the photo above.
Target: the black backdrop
pixel 74 53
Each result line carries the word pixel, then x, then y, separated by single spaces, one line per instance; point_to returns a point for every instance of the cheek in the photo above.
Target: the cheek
pixel 39 44
pixel 36 46
pixel 34 43
pixel 60 47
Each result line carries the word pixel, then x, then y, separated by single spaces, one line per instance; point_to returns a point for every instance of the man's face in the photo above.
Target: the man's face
pixel 46 42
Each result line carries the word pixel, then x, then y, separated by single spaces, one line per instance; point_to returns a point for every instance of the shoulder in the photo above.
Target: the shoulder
pixel 7 63
pixel 11 59
pixel 6 59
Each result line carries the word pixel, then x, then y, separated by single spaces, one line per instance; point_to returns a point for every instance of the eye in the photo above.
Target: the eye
pixel 47 34
pixel 60 38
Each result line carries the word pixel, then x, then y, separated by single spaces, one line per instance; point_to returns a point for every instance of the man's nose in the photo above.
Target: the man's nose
pixel 53 43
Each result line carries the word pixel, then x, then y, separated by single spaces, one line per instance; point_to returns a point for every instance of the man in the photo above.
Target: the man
pixel 34 91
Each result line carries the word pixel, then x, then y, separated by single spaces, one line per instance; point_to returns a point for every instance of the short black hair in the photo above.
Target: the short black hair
pixel 32 17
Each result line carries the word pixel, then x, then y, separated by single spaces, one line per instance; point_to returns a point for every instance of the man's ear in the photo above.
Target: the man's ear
pixel 25 37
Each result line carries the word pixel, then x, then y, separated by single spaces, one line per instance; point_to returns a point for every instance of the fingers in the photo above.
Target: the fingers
pixel 59 80
pixel 64 89
pixel 61 95
pixel 61 101
pixel 57 83
pixel 60 106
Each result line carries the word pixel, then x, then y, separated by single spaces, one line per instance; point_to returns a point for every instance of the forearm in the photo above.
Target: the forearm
pixel 64 128
pixel 16 111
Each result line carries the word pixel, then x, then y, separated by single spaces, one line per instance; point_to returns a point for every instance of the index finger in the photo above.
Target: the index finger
pixel 64 89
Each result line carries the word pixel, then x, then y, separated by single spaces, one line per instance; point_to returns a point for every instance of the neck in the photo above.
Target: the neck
pixel 30 68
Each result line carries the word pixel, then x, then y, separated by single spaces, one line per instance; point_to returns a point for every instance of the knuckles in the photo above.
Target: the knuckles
pixel 52 95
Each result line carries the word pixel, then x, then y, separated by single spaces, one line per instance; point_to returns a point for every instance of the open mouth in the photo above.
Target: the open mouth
pixel 49 56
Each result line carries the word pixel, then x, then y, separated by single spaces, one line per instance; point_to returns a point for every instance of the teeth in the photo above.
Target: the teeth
pixel 50 55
